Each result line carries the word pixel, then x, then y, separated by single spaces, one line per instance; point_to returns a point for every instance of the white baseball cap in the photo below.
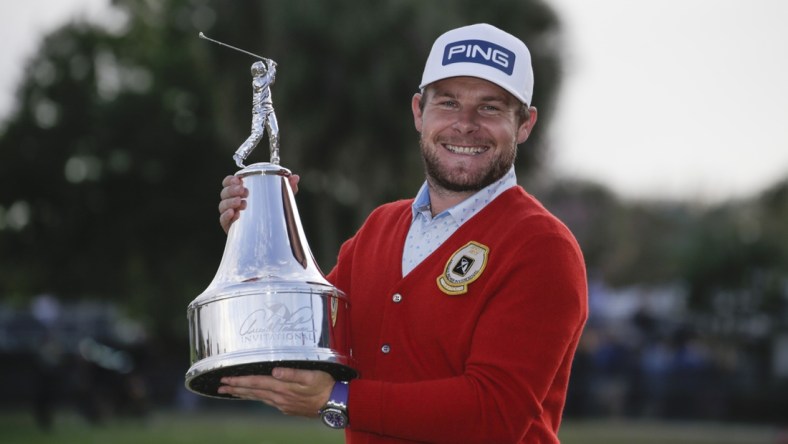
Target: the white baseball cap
pixel 482 51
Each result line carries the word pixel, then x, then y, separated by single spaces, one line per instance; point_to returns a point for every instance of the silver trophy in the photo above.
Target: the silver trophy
pixel 269 304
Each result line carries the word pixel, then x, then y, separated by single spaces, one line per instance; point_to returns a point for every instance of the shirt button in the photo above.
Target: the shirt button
pixel 397 298
pixel 385 348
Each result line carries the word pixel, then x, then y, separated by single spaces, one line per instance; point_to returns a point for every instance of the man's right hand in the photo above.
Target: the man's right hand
pixel 233 197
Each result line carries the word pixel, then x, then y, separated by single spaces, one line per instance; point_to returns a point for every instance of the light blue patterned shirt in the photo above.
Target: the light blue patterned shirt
pixel 427 233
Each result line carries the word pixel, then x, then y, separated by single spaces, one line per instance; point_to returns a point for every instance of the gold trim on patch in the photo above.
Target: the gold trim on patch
pixel 334 310
pixel 463 267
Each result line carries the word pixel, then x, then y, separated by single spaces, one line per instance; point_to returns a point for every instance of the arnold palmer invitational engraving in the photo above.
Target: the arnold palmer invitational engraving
pixel 277 324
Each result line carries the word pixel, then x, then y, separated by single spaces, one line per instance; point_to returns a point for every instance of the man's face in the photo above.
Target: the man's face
pixel 469 132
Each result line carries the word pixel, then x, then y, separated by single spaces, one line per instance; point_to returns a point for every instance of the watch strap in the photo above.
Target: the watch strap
pixel 334 414
pixel 339 395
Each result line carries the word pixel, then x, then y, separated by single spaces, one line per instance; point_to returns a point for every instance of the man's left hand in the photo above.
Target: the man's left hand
pixel 292 391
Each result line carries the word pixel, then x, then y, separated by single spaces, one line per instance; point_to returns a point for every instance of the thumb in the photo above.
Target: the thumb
pixel 287 375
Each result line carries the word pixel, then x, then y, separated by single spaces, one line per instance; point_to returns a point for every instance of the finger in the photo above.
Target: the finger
pixel 232 203
pixel 231 180
pixel 264 396
pixel 295 376
pixel 285 404
pixel 294 179
pixel 248 387
pixel 227 218
pixel 244 392
pixel 234 191
pixel 257 382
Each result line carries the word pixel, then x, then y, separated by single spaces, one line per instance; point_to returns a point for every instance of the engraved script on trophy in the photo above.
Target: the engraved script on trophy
pixel 276 324
pixel 277 318
pixel 263 115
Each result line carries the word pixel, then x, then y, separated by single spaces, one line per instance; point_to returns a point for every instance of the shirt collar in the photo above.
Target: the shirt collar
pixel 470 206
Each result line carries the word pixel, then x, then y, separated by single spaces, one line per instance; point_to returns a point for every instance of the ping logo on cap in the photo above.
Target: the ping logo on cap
pixel 479 51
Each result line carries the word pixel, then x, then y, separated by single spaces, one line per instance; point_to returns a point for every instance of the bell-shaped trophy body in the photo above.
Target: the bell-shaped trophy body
pixel 269 304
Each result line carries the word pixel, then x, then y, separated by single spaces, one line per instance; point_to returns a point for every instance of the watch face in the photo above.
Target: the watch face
pixel 334 418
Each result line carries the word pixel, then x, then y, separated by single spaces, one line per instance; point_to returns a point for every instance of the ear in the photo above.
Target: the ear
pixel 417 113
pixel 527 126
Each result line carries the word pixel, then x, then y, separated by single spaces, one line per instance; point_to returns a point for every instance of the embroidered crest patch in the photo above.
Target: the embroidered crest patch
pixel 463 267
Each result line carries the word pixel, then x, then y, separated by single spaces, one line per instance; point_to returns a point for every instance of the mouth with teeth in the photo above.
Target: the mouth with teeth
pixel 466 150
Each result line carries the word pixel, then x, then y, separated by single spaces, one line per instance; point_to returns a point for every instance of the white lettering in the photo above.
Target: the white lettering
pixel 500 58
pixel 478 50
pixel 459 49
pixel 488 54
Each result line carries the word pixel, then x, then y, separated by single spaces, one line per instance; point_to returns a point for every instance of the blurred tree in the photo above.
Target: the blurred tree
pixel 624 243
pixel 111 165
pixel 736 266
pixel 97 170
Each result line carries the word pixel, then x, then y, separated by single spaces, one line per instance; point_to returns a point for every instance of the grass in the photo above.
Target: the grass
pixel 171 428
pixel 245 427
pixel 654 432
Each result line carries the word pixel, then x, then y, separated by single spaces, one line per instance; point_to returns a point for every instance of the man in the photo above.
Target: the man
pixel 467 301
pixel 263 114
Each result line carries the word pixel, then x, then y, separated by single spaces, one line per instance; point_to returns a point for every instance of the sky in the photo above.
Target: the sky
pixel 661 99
pixel 683 99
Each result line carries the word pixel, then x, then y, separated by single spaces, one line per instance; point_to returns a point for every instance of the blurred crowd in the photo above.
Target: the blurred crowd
pixel 86 358
pixel 641 356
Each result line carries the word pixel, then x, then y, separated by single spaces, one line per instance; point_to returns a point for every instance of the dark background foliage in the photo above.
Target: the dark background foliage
pixel 121 139
pixel 110 166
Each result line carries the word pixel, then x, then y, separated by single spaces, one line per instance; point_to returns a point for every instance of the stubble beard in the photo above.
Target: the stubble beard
pixel 463 181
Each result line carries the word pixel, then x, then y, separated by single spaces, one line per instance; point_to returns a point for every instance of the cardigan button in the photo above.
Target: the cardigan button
pixel 386 348
pixel 397 298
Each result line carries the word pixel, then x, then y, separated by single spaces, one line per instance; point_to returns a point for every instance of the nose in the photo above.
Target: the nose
pixel 466 121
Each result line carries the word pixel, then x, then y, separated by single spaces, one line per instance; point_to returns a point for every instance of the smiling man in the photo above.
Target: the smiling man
pixel 469 300
pixel 470 129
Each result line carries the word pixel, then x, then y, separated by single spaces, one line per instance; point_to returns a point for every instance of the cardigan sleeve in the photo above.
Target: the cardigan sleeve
pixel 340 338
pixel 514 381
pixel 340 274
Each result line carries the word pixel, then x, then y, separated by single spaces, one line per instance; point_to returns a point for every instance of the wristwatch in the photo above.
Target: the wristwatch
pixel 334 413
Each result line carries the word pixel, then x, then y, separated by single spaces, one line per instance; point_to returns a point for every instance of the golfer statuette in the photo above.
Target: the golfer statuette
pixel 269 304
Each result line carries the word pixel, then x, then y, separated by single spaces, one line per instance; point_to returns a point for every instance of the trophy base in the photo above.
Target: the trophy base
pixel 208 383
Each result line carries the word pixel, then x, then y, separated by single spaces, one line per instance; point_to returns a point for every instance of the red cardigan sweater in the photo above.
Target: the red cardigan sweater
pixel 490 364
